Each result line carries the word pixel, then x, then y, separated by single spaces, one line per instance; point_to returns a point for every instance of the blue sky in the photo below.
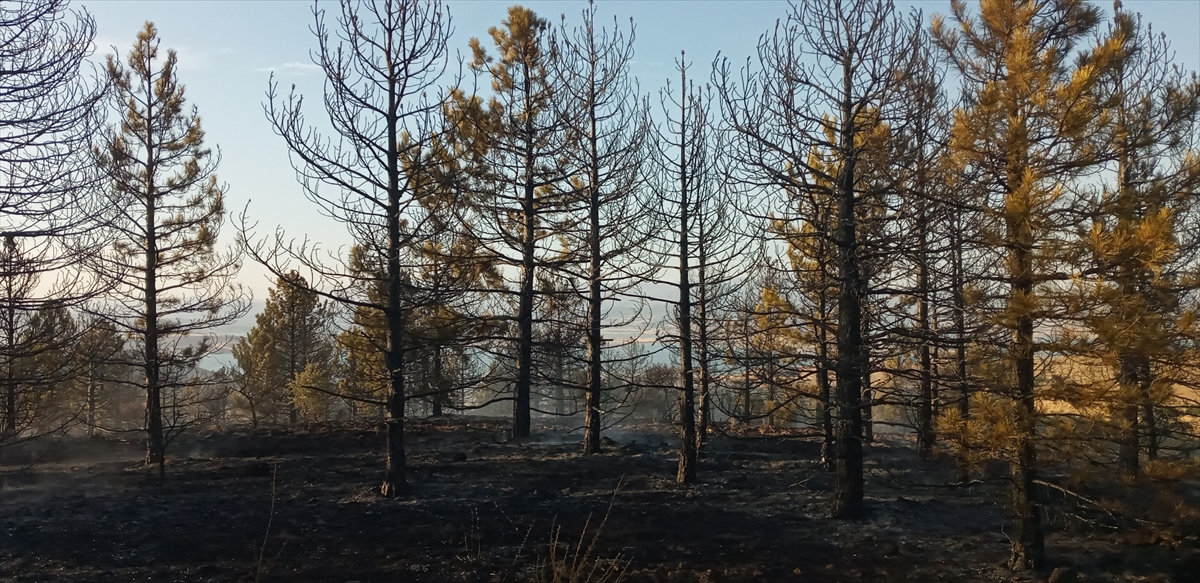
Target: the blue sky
pixel 228 49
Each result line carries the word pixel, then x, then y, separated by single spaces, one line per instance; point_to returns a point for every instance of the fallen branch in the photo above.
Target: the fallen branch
pixel 1079 496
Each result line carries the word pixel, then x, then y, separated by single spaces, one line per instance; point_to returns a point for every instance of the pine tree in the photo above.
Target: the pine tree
pixel 361 372
pixel 777 340
pixel 313 390
pixel 784 111
pixel 805 225
pixel 451 269
pixel 723 266
pixel 1138 241
pixel 290 335
pixel 362 369
pixel 252 383
pixel 50 111
pixel 609 124
pixel 561 339
pixel 810 258
pixel 100 352
pixel 686 162
pixel 519 190
pixel 917 163
pixel 299 322
pixel 1026 134
pixel 17 307
pixel 382 66
pixel 37 371
pixel 170 280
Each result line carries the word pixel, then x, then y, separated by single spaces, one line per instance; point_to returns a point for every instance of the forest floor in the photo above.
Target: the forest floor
pixel 272 505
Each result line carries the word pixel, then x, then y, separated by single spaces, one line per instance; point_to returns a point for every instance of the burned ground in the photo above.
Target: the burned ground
pixel 481 508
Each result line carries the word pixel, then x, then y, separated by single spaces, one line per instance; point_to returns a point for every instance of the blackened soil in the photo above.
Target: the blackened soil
pixel 297 507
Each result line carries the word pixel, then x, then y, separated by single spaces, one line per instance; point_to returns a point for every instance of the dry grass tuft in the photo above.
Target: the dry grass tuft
pixel 565 564
pixel 1170 470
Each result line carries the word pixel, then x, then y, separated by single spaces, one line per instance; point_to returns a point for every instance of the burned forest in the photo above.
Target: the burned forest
pixel 904 293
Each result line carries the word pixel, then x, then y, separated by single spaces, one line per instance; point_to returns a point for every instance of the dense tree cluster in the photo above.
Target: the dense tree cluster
pixel 975 229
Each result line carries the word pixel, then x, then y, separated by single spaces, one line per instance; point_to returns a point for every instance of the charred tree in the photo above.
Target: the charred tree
pixel 609 125
pixel 787 110
pixel 382 63
pixel 50 109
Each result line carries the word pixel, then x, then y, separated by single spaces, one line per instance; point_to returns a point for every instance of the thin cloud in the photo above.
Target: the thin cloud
pixel 293 68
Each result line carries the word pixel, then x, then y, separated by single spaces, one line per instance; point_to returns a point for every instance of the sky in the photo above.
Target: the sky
pixel 228 50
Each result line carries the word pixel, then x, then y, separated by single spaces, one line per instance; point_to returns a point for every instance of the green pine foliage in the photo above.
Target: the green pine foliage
pixel 286 361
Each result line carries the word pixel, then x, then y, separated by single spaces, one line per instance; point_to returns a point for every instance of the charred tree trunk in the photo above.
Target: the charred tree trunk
pixel 155 442
pixel 925 435
pixel 960 356
pixel 521 396
pixel 1149 422
pixel 595 297
pixel 823 385
pixel 747 411
pixel 560 397
pixel 847 427
pixel 702 330
pixel 439 381
pixel 91 402
pixel 687 412
pixel 935 393
pixel 10 372
pixel 395 474
pixel 868 428
pixel 704 406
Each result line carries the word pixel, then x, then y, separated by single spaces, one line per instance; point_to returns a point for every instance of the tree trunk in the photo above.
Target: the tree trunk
pixel 823 385
pixel 925 435
pixel 687 413
pixel 747 411
pixel 395 474
pixel 560 397
pixel 1028 544
pixel 155 442
pixel 935 395
pixel 293 411
pixel 10 373
pixel 866 430
pixel 772 412
pixel 10 403
pixel 91 402
pixel 960 358
pixel 1130 444
pixel 1149 423
pixel 847 465
pixel 10 407
pixel 702 328
pixel 868 418
pixel 591 437
pixel 521 392
pixel 868 427
pixel 704 408
pixel 439 384
pixel 394 480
